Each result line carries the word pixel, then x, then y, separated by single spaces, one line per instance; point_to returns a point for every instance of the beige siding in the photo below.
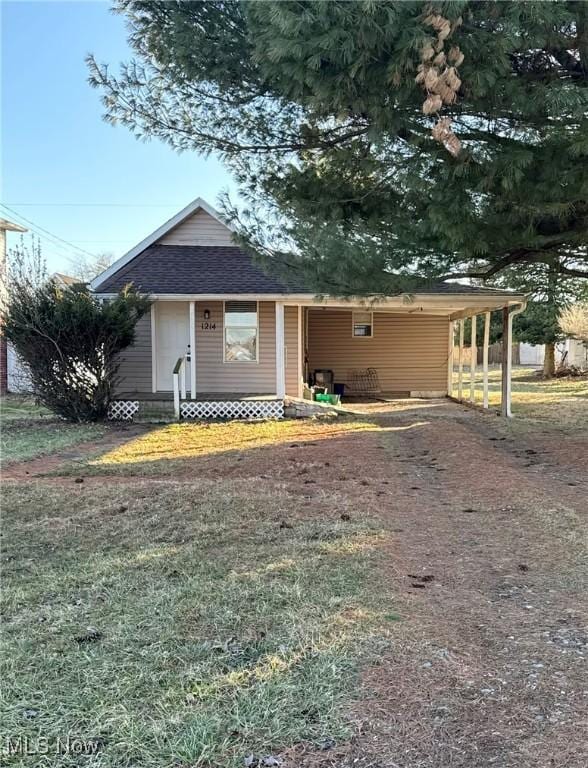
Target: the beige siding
pixel 215 376
pixel 291 349
pixel 409 352
pixel 135 368
pixel 199 229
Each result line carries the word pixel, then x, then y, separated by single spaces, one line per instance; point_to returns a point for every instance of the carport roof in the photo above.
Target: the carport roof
pixel 460 288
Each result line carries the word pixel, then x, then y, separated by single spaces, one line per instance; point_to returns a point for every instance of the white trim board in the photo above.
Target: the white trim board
pixel 280 351
pixel 195 205
pixel 153 350
pixel 444 303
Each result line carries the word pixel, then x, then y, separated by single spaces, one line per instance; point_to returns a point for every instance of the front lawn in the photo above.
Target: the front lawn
pixel 401 589
pixel 185 625
pixel 28 430
pixel 167 450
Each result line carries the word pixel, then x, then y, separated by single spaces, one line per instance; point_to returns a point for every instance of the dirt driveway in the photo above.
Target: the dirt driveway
pixel 488 559
pixel 489 562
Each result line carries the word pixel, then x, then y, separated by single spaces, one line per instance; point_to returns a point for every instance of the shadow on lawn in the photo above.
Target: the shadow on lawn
pixel 181 448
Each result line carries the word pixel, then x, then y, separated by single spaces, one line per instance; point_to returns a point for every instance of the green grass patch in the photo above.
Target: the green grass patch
pixel 21 440
pixel 183 625
pixel 28 430
pixel 21 407
pixel 557 402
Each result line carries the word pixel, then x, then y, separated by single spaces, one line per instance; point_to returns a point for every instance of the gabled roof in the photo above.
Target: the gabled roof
pixel 10 226
pixel 197 269
pixel 191 208
pixel 65 280
pixel 171 269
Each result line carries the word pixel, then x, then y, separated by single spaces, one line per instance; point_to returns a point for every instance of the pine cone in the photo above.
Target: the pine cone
pixel 432 104
pixel 431 78
pixel 455 55
pixel 451 78
pixel 427 52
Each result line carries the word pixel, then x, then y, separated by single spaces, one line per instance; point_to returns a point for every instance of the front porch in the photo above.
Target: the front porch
pixel 168 397
pixel 212 405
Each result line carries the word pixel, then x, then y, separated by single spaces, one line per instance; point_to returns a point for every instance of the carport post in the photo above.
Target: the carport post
pixel 473 361
pixel 508 315
pixel 450 358
pixel 460 362
pixel 505 409
pixel 485 358
pixel 301 377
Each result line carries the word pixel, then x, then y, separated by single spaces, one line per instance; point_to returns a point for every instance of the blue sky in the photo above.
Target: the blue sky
pixel 63 167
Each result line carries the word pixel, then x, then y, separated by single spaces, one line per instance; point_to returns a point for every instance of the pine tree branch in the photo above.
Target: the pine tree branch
pixel 489 270
pixel 519 256
pixel 582 34
pixel 572 272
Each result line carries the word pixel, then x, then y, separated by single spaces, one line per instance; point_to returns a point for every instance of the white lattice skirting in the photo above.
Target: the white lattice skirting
pixel 123 410
pixel 232 409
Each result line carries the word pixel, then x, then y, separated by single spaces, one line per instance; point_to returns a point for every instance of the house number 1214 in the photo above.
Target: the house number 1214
pixel 206 326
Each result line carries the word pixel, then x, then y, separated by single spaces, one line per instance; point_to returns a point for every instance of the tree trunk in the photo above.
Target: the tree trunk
pixel 549 361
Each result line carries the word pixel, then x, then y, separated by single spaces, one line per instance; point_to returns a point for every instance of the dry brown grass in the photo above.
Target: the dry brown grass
pixel 183 624
pixel 476 526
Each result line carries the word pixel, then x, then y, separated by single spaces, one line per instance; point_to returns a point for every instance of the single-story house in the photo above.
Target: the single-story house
pixel 223 329
pixel 18 375
pixel 5 226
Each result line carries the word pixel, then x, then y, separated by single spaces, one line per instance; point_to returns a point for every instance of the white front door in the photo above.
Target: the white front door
pixel 172 337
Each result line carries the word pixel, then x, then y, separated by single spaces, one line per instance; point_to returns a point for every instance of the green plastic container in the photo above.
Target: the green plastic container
pixel 326 398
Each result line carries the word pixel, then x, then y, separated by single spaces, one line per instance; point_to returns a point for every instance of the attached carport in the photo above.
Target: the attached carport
pixel 409 338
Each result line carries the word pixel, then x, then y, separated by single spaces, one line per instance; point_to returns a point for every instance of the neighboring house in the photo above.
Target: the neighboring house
pixel 18 378
pixel 5 226
pixel 64 281
pixel 568 352
pixel 239 333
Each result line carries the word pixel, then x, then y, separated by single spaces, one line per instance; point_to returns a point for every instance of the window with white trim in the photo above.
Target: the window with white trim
pixel 241 332
pixel 363 324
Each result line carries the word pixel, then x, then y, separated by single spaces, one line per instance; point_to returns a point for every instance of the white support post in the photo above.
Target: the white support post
pixel 153 349
pixel 505 405
pixel 473 360
pixel 305 331
pixel 300 354
pixel 460 362
pixel 176 377
pixel 280 362
pixel 193 350
pixel 508 316
pixel 485 359
pixel 450 358
pixel 183 378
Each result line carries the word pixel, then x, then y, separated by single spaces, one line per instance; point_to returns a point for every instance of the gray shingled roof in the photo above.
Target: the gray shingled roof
pixel 222 269
pixel 195 269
